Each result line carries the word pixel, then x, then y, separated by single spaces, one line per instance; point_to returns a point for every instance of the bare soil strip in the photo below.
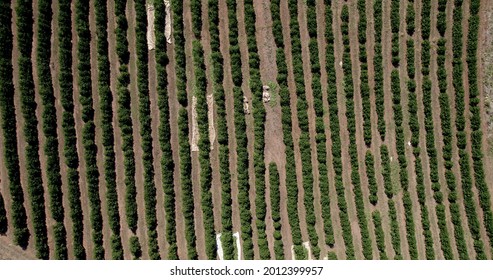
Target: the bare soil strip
pixel 8 251
pixel 125 232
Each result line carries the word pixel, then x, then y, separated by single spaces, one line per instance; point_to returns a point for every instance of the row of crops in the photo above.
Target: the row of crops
pixel 415 83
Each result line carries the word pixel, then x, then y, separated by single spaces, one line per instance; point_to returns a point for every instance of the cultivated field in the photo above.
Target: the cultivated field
pixel 246 129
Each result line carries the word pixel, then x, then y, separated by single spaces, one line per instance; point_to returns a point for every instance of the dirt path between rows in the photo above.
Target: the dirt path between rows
pixel 125 231
pixel 8 251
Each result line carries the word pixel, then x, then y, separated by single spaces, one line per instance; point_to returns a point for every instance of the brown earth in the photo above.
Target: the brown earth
pixel 8 251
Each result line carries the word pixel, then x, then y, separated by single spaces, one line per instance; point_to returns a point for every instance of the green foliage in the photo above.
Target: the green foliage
pixel 125 116
pixel 394 230
pixel 241 137
pixel 370 174
pixel 186 183
pixel 108 137
pixel 379 235
pixel 88 126
pixel 335 135
pixel 35 189
pixel 378 68
pixel 200 92
pixel 464 163
pixel 135 248
pixel 351 126
pixel 475 119
pixel 275 200
pixel 49 125
pixel 167 164
pixel 145 128
pixel 258 113
pixel 65 79
pixel 3 217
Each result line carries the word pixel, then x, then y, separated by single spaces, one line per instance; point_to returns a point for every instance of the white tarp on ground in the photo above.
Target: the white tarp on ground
pixel 210 115
pixel 220 252
pixel 167 26
pixel 151 36
pixel 236 236
pixel 195 126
